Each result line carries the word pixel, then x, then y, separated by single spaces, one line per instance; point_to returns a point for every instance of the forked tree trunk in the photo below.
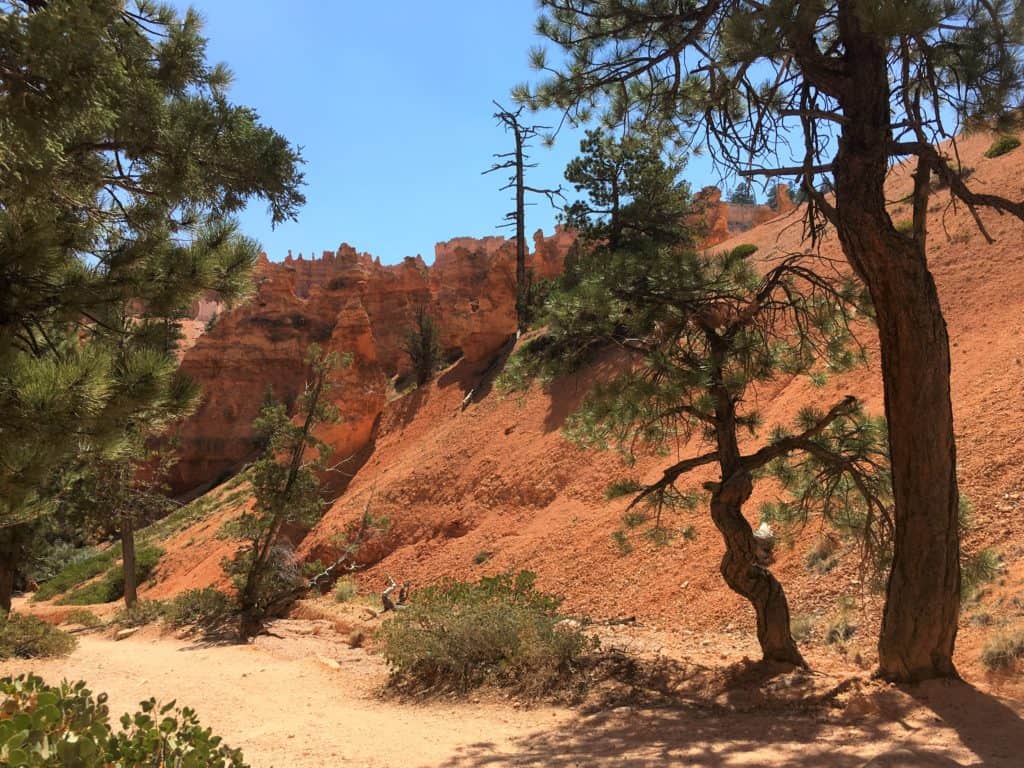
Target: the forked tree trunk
pixel 131 594
pixel 749 578
pixel 923 597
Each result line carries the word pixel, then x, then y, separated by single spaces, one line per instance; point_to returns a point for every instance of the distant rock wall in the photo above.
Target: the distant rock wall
pixel 348 302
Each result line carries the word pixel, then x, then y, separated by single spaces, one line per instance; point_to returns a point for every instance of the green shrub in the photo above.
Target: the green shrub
pixel 1003 652
pixel 743 251
pixel 500 631
pixel 823 556
pixel 1002 145
pixel 623 487
pixel 144 612
pixel 206 608
pixel 841 626
pixel 482 556
pixel 690 533
pixel 977 570
pixel 111 586
pixel 79 570
pixel 802 628
pixel 65 725
pixel 26 637
pixel 345 589
pixel 83 618
pixel 635 518
pixel 659 535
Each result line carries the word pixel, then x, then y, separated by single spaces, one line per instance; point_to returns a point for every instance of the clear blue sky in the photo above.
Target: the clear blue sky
pixel 391 103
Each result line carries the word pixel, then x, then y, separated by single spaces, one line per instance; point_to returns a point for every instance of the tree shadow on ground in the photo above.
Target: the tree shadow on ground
pixel 752 715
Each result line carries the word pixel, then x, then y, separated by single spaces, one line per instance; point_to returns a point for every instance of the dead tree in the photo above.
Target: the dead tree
pixel 517 162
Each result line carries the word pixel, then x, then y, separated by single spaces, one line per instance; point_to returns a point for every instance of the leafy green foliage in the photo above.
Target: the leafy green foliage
pixel 66 725
pixel 26 637
pixel 482 557
pixel 743 251
pixel 623 487
pixel 500 631
pixel 111 586
pixel 743 194
pixel 1001 146
pixel 622 543
pixel 122 162
pixel 422 345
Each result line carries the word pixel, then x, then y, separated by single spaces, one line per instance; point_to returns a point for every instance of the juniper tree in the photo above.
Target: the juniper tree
pixel 834 91
pixel 517 161
pixel 287 492
pixel 700 333
pixel 122 160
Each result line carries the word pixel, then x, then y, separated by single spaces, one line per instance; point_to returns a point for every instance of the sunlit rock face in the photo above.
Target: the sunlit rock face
pixel 345 301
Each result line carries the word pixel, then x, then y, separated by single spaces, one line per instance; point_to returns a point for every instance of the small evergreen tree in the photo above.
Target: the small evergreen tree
pixel 743 194
pixel 701 331
pixel 287 492
pixel 422 345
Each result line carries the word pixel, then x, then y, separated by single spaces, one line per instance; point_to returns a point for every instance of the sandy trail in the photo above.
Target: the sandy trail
pixel 306 700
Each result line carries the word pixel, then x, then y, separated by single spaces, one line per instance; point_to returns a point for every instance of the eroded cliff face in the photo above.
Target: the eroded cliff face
pixel 724 220
pixel 347 302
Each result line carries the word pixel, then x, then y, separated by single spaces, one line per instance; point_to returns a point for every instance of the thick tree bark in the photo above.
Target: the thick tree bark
pixel 740 567
pixel 522 289
pixel 11 541
pixel 131 594
pixel 920 620
pixel 747 577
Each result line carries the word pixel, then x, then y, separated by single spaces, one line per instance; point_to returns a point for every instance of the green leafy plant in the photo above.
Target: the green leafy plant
pixel 77 571
pixel 111 587
pixel 482 557
pixel 65 725
pixel 977 570
pixel 26 637
pixel 622 543
pixel 422 345
pixel 624 487
pixel 143 613
pixel 499 631
pixel 83 618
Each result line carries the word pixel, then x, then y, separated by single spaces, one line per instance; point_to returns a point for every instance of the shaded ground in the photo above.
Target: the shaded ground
pixel 301 697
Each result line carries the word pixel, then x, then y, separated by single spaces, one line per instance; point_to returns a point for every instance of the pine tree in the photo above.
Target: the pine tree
pixel 422 345
pixel 832 90
pixel 122 161
pixel 701 332
pixel 287 492
pixel 743 194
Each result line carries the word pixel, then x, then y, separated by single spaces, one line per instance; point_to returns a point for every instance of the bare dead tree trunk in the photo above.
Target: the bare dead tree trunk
pixel 922 602
pixel 131 594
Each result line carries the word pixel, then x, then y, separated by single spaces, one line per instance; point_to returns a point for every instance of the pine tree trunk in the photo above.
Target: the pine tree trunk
pixel 748 578
pixel 922 603
pixel 522 299
pixel 131 595
pixel 10 558
pixel 6 584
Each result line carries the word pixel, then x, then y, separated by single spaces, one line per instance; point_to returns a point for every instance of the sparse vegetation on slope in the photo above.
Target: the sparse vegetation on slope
pixel 26 637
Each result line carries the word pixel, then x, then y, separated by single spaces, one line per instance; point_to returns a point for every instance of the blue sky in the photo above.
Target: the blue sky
pixel 391 103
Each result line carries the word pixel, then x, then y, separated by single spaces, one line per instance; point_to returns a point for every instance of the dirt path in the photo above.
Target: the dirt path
pixel 306 700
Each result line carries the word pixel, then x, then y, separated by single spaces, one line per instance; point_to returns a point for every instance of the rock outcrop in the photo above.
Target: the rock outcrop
pixel 345 301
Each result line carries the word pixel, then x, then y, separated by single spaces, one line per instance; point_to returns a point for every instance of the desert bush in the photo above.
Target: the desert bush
pixel 624 487
pixel 841 626
pixel 1002 145
pixel 482 556
pixel 26 637
pixel 802 628
pixel 83 618
pixel 422 344
pixel 111 587
pixel 66 725
pixel 823 555
pixel 977 570
pixel 659 535
pixel 345 589
pixel 690 533
pixel 500 631
pixel 1003 652
pixel 743 251
pixel 206 608
pixel 141 614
